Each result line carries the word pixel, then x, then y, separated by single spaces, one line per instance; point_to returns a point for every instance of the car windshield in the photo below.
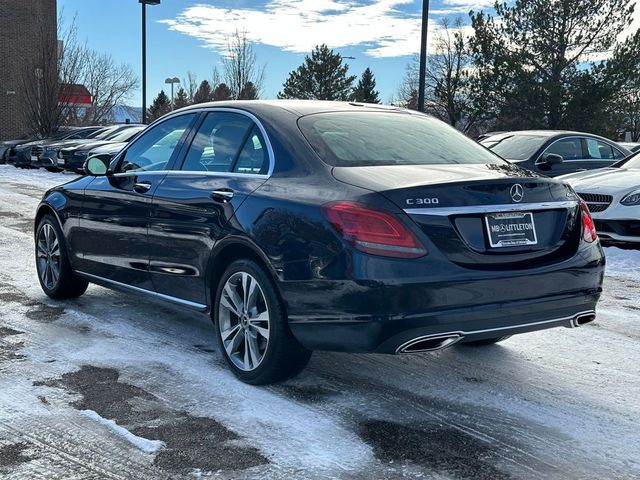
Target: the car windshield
pixel 125 135
pixel 357 139
pixel 97 133
pixel 515 147
pixel 104 134
pixel 632 161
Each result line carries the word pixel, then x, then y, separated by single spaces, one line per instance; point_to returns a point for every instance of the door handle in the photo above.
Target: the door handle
pixel 222 195
pixel 142 187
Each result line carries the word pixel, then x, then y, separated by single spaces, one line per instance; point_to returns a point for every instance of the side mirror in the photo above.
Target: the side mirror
pixel 96 166
pixel 548 160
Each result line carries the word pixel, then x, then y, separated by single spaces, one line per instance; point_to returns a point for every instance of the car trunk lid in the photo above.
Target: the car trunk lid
pixel 459 206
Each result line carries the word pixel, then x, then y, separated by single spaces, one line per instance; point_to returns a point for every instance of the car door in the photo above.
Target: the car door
pixel 193 208
pixel 571 150
pixel 116 207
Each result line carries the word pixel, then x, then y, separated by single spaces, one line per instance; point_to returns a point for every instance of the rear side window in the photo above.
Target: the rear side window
pixel 354 139
pixel 227 142
pixel 600 150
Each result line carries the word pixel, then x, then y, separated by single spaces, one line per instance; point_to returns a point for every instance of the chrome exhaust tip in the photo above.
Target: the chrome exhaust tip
pixel 429 343
pixel 582 319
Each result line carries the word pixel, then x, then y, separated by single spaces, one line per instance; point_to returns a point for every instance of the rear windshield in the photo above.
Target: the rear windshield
pixel 358 139
pixel 515 147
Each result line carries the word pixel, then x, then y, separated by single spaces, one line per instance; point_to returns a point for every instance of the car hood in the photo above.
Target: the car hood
pixel 87 146
pixel 604 179
pixel 109 148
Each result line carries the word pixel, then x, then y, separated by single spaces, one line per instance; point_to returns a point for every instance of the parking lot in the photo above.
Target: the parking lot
pixel 109 386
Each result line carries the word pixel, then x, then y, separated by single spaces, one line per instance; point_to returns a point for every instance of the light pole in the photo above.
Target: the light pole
pixel 423 55
pixel 172 81
pixel 144 54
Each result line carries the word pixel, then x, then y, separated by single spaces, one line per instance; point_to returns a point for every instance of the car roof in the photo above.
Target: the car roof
pixel 543 133
pixel 297 107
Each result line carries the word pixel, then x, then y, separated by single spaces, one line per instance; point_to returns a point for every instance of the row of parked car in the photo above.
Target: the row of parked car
pixel 70 148
pixel 604 173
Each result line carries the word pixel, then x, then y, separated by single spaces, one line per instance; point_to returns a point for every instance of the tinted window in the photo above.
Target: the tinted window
pixel 567 148
pixel 383 138
pixel 125 135
pixel 153 149
pixel 633 161
pixel 515 147
pixel 253 158
pixel 600 150
pixel 218 142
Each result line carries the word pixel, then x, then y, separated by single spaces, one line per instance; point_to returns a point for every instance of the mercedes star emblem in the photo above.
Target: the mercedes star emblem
pixel 517 193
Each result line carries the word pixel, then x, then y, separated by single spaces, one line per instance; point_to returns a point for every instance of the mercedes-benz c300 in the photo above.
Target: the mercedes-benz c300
pixel 302 225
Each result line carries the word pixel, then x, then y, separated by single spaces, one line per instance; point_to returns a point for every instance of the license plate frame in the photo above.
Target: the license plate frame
pixel 511 229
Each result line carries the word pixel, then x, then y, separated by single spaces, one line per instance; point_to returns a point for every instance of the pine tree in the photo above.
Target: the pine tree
pixel 248 92
pixel 322 76
pixel 204 93
pixel 160 106
pixel 365 91
pixel 181 100
pixel 222 92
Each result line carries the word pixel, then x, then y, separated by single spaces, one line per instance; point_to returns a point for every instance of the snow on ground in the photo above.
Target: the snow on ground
pixel 623 263
pixel 108 387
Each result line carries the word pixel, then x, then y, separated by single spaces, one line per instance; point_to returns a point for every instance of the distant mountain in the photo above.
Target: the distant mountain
pixel 122 113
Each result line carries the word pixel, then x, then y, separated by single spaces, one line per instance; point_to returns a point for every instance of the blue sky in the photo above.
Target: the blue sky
pixel 187 35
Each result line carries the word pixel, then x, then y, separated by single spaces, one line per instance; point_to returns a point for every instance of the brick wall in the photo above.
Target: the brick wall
pixel 25 24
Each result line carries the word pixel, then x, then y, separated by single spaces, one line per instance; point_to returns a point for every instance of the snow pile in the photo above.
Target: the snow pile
pixel 147 446
pixel 623 263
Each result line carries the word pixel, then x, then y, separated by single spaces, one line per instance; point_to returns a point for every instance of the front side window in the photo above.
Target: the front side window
pixel 227 142
pixel 153 150
pixel 567 148
pixel 356 139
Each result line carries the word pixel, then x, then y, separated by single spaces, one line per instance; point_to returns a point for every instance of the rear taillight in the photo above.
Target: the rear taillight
pixel 588 227
pixel 373 231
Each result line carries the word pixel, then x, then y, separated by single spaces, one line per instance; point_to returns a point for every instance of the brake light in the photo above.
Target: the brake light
pixel 588 227
pixel 373 231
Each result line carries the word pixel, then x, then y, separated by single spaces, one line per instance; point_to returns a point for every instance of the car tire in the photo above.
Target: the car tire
pixel 53 169
pixel 52 262
pixel 486 341
pixel 252 327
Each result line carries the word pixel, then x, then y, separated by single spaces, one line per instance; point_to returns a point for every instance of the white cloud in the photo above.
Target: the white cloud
pixel 298 25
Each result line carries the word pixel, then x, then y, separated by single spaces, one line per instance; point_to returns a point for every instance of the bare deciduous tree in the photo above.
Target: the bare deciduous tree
pixel 109 83
pixel 190 85
pixel 55 64
pixel 61 64
pixel 240 67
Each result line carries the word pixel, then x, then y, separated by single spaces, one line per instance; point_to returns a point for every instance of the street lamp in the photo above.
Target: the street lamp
pixel 423 55
pixel 172 81
pixel 144 54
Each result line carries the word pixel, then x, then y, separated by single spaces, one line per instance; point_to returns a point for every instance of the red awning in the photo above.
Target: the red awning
pixel 75 94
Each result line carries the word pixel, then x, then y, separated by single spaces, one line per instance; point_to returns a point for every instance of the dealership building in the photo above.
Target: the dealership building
pixel 28 29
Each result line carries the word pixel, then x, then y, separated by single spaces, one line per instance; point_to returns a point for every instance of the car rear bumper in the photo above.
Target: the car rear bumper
pixel 383 316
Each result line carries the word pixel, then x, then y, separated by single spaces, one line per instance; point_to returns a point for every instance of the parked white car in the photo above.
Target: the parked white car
pixel 613 196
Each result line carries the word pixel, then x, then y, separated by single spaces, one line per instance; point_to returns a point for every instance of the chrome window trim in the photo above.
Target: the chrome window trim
pixel 256 121
pixel 162 296
pixel 537 162
pixel 474 209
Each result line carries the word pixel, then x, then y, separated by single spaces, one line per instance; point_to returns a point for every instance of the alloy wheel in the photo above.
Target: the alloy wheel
pixel 243 320
pixel 48 253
